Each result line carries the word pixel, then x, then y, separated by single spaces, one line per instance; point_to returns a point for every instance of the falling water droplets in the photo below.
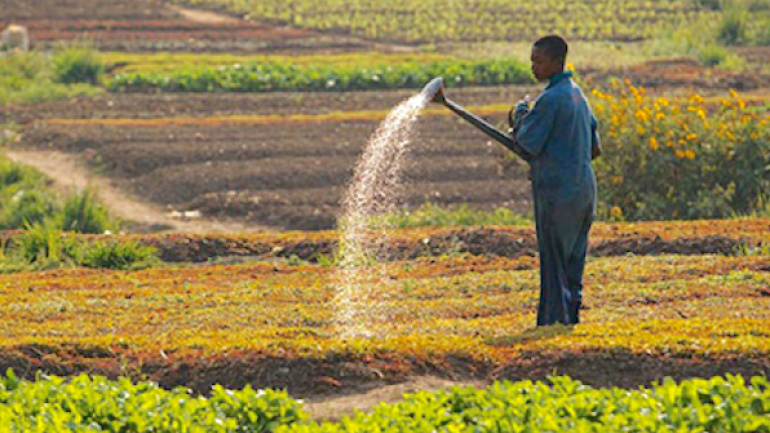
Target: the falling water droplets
pixel 373 192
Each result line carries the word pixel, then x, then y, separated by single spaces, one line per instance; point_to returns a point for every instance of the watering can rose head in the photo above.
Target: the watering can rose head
pixel 434 90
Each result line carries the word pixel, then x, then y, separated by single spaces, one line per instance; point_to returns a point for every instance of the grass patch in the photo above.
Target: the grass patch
pixel 433 215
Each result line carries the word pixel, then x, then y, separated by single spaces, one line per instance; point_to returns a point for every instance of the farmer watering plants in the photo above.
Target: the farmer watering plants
pixel 558 138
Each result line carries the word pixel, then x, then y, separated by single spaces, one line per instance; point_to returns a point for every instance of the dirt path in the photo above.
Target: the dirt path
pixel 69 174
pixel 203 17
pixel 334 408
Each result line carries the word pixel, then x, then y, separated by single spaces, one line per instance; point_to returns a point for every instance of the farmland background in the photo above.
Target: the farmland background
pixel 157 152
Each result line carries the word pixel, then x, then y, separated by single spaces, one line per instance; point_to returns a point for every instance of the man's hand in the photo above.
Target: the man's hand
pixel 517 112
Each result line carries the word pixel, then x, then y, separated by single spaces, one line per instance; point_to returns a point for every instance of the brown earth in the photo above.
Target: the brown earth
pixel 337 381
pixel 286 175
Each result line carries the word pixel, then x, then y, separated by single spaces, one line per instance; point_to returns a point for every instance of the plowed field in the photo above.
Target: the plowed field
pixel 276 159
pixel 155 25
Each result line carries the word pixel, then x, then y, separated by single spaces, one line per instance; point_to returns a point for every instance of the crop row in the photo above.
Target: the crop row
pixel 434 20
pixel 275 76
pixel 728 404
pixel 474 307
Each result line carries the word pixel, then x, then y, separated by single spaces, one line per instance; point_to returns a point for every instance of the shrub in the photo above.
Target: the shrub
pixel 116 255
pixel 733 28
pixel 82 213
pixel 77 63
pixel 680 159
pixel 28 78
pixel 712 55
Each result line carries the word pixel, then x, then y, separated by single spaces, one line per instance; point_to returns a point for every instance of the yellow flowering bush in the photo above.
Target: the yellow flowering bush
pixel 682 158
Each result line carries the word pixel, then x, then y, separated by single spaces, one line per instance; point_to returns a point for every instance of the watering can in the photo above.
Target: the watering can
pixel 435 91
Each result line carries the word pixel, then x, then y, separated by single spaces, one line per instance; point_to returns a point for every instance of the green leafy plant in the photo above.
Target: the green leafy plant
pixel 86 403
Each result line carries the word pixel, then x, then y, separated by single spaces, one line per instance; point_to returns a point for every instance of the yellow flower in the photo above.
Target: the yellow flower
pixel 680 154
pixel 640 129
pixel 696 99
pixel 617 179
pixel 702 114
pixel 660 116
pixel 616 211
pixel 641 115
pixel 689 154
pixel 733 93
pixel 691 137
pixel 653 143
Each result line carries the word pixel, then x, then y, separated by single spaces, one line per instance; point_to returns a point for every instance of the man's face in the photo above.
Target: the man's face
pixel 544 66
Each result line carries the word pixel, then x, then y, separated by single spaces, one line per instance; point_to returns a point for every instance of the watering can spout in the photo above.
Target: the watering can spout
pixel 435 89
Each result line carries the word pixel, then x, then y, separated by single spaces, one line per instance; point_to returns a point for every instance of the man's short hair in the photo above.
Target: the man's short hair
pixel 554 46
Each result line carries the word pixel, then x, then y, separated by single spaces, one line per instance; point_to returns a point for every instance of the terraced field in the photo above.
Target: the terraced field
pixel 271 322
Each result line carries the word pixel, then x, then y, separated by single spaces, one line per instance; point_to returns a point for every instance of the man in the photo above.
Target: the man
pixel 559 140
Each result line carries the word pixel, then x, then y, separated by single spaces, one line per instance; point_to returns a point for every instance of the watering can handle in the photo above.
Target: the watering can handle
pixel 487 128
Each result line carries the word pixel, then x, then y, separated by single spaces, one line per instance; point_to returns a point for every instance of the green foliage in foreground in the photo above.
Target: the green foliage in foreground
pixel 84 404
pixel 275 76
pixel 724 405
pixel 36 77
pixel 433 215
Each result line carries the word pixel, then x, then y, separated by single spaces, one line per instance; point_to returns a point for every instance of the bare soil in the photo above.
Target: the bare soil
pixel 285 175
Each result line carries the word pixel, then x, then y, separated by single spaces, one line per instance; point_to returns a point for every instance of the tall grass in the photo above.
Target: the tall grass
pixel 83 213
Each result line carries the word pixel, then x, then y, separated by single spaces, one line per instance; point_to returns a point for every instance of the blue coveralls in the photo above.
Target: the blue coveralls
pixel 558 135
